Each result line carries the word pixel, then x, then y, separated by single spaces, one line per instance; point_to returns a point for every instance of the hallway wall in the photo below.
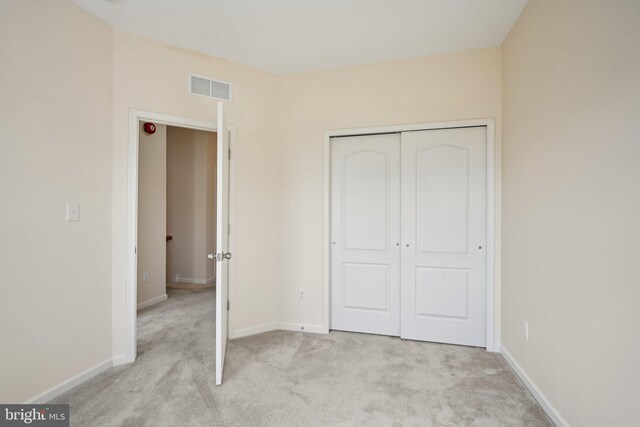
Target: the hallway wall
pixel 152 214
pixel 211 179
pixel 190 205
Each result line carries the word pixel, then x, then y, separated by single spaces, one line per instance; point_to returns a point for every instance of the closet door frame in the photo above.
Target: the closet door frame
pixel 493 228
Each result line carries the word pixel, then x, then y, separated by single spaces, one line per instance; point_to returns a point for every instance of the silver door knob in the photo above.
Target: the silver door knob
pixel 219 256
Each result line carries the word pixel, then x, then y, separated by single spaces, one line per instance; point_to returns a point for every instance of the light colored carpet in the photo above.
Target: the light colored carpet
pixel 294 379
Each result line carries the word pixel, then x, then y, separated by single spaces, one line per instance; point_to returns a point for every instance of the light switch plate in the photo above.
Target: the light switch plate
pixel 73 212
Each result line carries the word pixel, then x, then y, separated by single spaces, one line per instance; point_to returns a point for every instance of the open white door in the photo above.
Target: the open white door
pixel 222 245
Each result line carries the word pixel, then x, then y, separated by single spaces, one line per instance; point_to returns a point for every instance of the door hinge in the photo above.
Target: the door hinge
pixel 228 305
pixel 229 154
pixel 135 249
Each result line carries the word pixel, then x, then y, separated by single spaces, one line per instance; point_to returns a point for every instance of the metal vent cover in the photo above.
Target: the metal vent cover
pixel 206 86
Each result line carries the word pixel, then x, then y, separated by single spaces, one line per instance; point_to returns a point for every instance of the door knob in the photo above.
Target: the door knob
pixel 220 256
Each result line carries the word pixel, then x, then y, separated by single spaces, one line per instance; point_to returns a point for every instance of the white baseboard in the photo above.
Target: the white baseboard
pixel 192 281
pixel 533 388
pixel 67 385
pixel 297 327
pixel 253 330
pixel 121 360
pixel 301 327
pixel 152 301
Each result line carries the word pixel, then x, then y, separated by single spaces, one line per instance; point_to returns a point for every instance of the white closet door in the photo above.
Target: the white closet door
pixel 444 235
pixel 365 230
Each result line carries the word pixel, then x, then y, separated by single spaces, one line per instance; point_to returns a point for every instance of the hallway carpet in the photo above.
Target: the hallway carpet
pixel 295 379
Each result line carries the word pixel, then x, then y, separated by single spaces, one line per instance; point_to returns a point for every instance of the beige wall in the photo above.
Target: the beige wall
pixel 190 211
pixel 56 148
pixel 571 174
pixel 152 213
pixel 445 87
pixel 152 76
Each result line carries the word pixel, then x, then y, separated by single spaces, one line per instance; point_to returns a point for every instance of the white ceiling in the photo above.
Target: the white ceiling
pixel 289 36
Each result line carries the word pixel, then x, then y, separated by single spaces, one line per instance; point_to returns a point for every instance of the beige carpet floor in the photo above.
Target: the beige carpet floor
pixel 294 379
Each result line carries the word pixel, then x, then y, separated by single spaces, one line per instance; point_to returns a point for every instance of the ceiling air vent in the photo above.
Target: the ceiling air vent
pixel 205 86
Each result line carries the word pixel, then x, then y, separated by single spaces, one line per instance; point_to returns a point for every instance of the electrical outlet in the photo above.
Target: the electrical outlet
pixel 525 329
pixel 301 294
pixel 145 276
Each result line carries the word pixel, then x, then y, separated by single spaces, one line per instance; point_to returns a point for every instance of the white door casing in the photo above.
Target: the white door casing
pixel 444 229
pixel 222 241
pixel 365 223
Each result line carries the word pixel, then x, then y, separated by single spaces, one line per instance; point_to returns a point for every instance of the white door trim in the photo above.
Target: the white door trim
pixel 131 295
pixel 493 329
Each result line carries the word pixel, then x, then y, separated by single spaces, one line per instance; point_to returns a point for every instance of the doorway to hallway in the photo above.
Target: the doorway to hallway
pixel 225 208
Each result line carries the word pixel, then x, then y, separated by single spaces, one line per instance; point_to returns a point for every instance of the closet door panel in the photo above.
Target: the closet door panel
pixel 443 282
pixel 365 231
